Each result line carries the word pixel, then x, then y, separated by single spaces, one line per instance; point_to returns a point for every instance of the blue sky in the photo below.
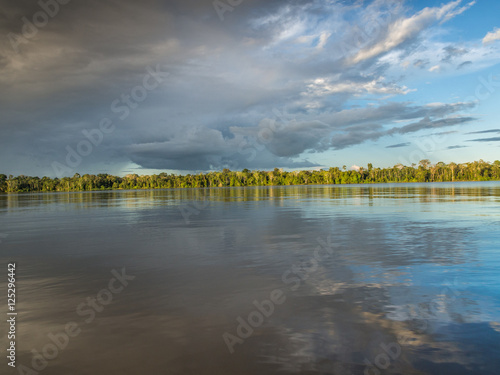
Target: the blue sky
pixel 263 84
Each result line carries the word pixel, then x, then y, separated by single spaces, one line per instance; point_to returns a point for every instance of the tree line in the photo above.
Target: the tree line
pixel 423 172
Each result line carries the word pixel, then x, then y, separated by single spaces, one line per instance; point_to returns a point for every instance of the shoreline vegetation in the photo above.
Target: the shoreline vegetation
pixel 424 172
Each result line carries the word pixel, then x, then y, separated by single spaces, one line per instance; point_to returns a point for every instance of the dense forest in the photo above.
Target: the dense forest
pixel 424 172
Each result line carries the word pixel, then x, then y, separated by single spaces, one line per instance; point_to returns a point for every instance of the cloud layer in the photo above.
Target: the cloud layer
pixel 272 85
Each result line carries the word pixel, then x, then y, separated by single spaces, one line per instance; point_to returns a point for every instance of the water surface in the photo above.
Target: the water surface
pixel 389 279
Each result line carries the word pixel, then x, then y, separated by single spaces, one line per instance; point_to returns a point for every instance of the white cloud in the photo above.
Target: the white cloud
pixel 435 105
pixel 325 86
pixel 406 28
pixel 492 36
pixel 309 39
pixel 323 38
pixel 456 12
pixel 304 39
pixel 452 59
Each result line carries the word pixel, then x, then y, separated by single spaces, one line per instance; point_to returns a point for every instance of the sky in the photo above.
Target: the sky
pixel 187 86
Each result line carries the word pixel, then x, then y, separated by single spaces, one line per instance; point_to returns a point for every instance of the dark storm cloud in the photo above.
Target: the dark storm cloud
pixel 431 118
pixel 399 145
pixel 230 84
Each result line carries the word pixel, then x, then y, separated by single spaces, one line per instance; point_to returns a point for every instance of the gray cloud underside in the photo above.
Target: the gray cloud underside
pixel 492 139
pixel 399 145
pixel 485 131
pixel 465 63
pixel 230 82
pixel 421 63
pixel 455 147
pixel 452 52
pixel 432 119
